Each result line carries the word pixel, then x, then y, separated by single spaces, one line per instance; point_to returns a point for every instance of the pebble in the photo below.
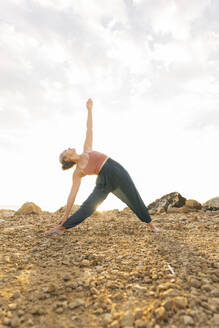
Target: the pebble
pixel 6 321
pixel 206 288
pixel 76 303
pixel 169 292
pixel 114 324
pixel 215 292
pixel 163 287
pixel 140 324
pixel 30 322
pixel 50 289
pixel 59 310
pixel 16 295
pixel 168 304
pixel 15 322
pixel 138 313
pixel 216 319
pixel 12 306
pixel 195 283
pixel 161 314
pixel 187 320
pixel 127 319
pixel 180 302
pixel 107 319
pixel 20 313
pixel 67 277
pixel 37 310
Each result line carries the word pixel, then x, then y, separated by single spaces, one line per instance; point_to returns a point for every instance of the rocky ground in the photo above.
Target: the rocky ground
pixel 110 271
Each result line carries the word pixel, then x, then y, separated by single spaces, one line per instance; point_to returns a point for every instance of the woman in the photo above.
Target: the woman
pixel 111 177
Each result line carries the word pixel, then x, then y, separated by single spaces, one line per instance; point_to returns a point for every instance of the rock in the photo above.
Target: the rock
pixel 184 209
pixel 76 303
pixel 50 289
pixel 173 199
pixel 172 209
pixel 139 288
pixel 138 313
pixel 216 319
pixel 168 304
pixel 28 208
pixel 169 292
pixel 67 277
pixel 165 286
pixel 20 313
pixel 161 314
pixel 160 209
pixel 107 319
pixel 114 324
pixel 187 320
pixel 59 310
pixel 6 213
pixel 141 324
pixel 195 283
pixel 62 209
pixel 12 306
pixel 36 310
pixel 212 204
pixel 127 319
pixel 15 322
pixel 193 204
pixel 30 322
pixel 6 321
pixel 215 292
pixel 180 302
pixel 207 288
pixel 15 295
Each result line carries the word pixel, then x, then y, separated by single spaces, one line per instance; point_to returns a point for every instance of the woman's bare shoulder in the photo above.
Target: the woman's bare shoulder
pixel 88 150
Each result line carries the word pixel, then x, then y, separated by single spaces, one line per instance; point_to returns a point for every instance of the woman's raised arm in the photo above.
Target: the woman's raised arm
pixel 88 144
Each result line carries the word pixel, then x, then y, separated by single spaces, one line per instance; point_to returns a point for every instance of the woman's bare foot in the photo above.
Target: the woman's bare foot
pixel 153 227
pixel 57 230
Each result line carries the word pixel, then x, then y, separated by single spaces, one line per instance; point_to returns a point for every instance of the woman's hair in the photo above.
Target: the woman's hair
pixel 65 164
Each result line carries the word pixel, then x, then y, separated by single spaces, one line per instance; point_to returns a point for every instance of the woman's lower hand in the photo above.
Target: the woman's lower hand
pixel 62 221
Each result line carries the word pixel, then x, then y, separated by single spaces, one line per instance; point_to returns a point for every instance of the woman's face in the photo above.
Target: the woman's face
pixel 68 153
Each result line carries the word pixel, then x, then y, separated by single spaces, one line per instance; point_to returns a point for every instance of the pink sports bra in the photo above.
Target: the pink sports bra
pixel 95 161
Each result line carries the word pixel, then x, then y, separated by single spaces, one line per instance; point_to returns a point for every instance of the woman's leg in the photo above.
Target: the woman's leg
pixel 87 208
pixel 127 192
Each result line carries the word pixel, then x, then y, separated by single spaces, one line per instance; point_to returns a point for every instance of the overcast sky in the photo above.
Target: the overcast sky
pixel 152 70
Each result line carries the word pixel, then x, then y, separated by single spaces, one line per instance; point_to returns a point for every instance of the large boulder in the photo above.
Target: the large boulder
pixel 29 208
pixel 174 199
pixel 212 204
pixel 61 210
pixel 193 204
pixel 6 213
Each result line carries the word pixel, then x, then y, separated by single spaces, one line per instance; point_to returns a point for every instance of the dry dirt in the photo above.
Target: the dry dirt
pixel 110 271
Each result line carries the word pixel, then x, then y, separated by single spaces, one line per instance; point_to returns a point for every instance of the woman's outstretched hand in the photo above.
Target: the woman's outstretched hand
pixel 89 103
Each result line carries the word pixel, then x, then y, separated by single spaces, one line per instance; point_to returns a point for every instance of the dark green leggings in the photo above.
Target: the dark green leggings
pixel 111 178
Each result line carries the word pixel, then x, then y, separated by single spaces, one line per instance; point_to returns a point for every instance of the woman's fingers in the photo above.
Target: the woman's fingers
pixel 89 103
